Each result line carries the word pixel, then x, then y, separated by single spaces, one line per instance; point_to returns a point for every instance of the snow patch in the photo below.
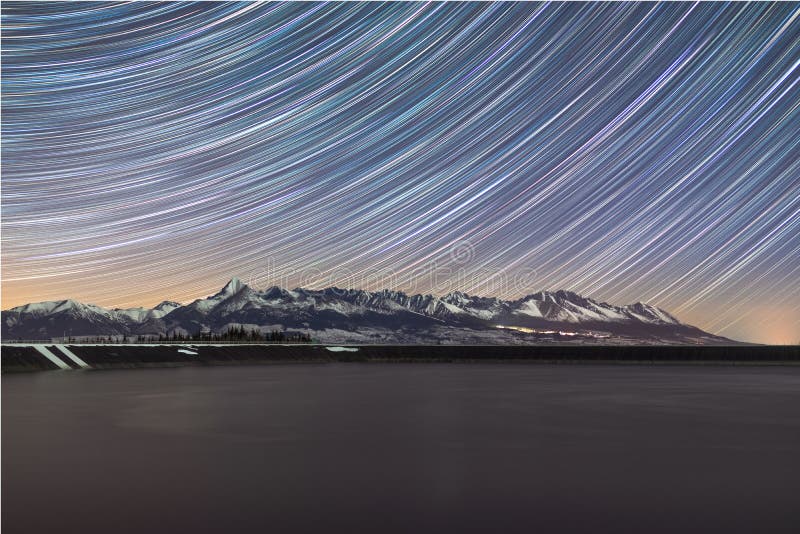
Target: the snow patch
pixel 530 308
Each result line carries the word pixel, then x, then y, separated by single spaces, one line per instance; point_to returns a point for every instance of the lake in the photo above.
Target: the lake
pixel 403 448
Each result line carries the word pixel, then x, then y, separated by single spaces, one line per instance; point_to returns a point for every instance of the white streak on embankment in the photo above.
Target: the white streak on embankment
pixel 44 351
pixel 72 356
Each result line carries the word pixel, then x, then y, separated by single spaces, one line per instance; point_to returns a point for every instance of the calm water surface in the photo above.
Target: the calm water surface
pixel 403 448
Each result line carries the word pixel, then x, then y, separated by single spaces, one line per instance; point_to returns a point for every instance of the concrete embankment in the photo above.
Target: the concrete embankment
pixel 49 356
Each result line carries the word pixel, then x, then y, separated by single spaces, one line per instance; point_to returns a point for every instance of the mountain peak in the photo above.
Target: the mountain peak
pixel 275 292
pixel 167 304
pixel 232 287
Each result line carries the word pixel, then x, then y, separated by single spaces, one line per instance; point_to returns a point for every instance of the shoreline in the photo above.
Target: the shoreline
pixel 20 358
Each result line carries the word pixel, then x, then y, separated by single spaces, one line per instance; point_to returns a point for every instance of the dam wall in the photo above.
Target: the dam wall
pixel 49 356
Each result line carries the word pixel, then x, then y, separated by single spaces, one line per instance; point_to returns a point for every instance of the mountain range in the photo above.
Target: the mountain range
pixel 358 316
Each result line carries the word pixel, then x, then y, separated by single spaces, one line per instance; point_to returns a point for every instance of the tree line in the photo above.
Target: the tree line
pixel 238 334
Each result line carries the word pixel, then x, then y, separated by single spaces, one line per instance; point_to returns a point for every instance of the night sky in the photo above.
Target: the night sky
pixel 623 151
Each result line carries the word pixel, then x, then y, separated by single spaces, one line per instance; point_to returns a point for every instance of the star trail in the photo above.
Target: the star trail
pixel 624 151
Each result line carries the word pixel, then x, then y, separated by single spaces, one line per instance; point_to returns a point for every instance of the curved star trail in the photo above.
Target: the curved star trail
pixel 624 151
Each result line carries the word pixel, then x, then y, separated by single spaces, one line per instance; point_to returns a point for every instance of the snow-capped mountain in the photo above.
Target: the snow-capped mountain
pixel 334 314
